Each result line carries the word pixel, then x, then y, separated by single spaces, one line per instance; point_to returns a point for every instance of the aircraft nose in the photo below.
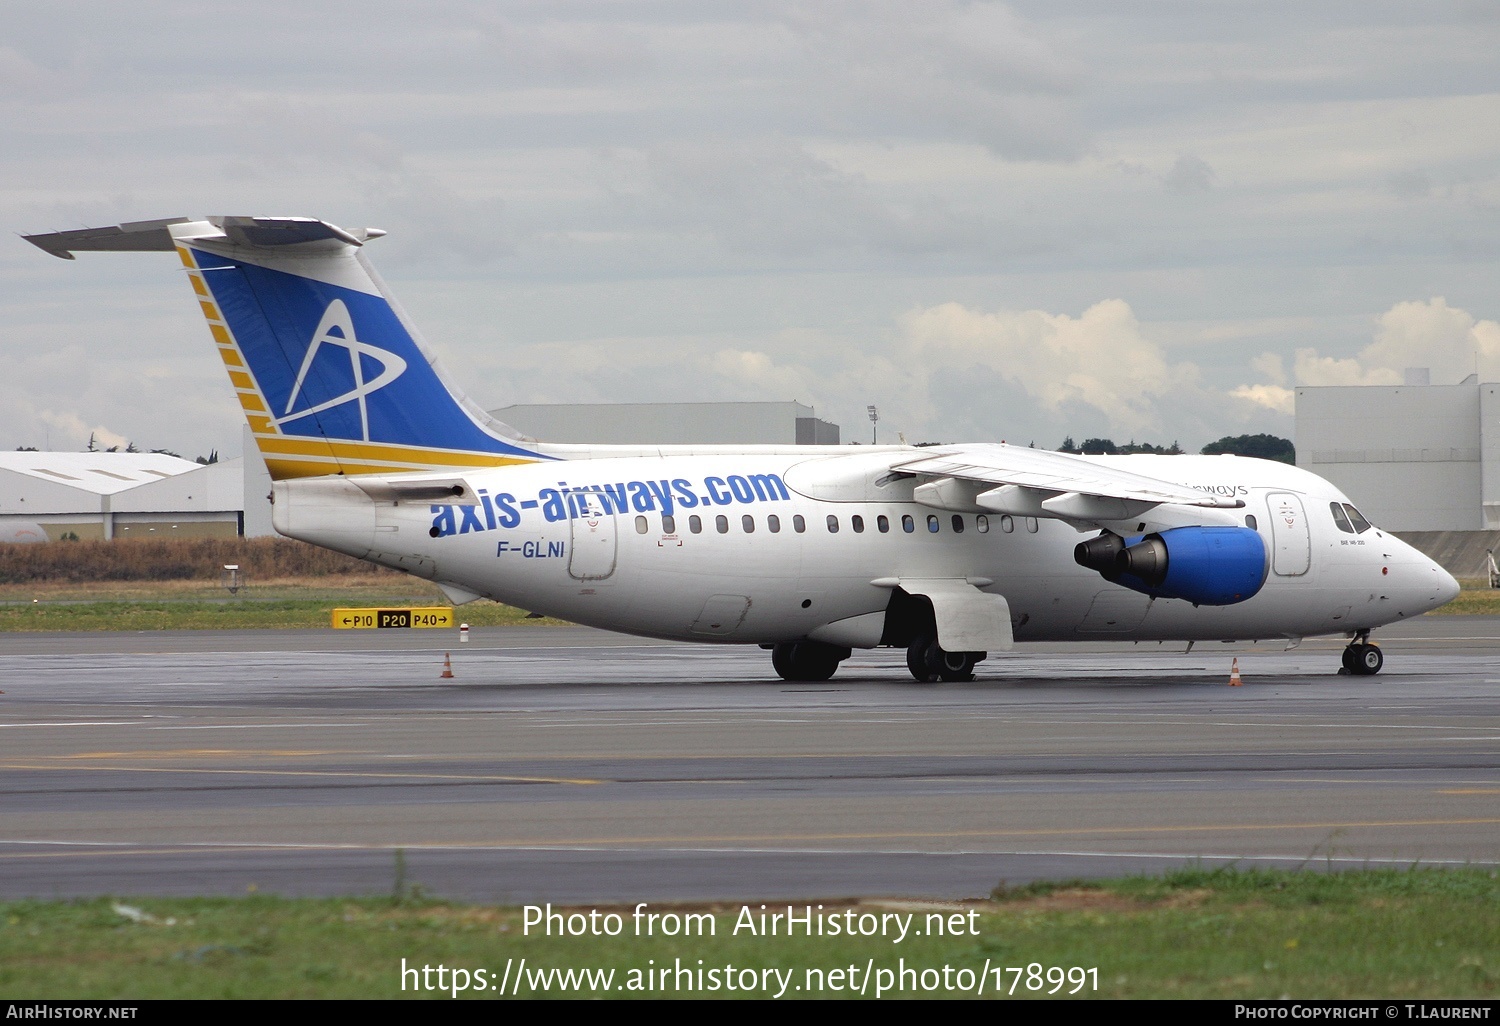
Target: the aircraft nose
pixel 1448 586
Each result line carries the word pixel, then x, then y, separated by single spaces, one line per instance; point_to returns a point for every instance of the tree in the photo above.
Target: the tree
pixel 1266 447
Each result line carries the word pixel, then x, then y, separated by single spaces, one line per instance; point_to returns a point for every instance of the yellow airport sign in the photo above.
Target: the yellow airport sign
pixel 357 619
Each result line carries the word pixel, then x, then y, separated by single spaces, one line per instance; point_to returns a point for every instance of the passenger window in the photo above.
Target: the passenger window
pixel 748 523
pixel 1250 521
pixel 833 524
pixel 798 524
pixel 669 524
pixel 982 524
pixel 883 524
pixel 695 524
pixel 1031 525
pixel 958 524
pixel 1361 525
pixel 773 524
pixel 721 524
pixel 641 527
pixel 932 523
pixel 908 524
pixel 858 523
pixel 1339 518
pixel 1007 523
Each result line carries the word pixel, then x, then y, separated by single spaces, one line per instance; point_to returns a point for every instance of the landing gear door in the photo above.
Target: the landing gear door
pixel 1291 543
pixel 591 556
pixel 967 619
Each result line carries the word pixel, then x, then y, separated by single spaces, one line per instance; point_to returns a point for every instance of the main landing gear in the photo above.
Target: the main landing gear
pixel 1361 657
pixel 807 660
pixel 928 662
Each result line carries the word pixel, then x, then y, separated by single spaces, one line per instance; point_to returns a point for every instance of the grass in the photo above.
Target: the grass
pixel 1191 934
pixel 198 605
pixel 1476 599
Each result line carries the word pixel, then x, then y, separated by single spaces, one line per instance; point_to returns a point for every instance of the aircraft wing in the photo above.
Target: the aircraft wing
pixel 1040 483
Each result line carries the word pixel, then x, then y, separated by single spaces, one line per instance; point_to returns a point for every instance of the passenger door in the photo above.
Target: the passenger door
pixel 1290 541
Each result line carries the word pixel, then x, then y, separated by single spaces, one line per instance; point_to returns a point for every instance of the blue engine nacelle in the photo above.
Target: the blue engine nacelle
pixel 1209 566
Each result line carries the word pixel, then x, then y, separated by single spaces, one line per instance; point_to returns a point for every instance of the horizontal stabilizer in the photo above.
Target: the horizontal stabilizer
pixel 242 232
pixel 131 237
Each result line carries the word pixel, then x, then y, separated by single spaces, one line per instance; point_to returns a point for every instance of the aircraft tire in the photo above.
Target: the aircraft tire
pixel 781 661
pixel 957 667
pixel 805 660
pixel 1348 658
pixel 1368 659
pixel 928 662
pixel 918 662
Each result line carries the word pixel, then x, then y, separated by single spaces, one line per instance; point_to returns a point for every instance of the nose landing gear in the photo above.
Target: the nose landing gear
pixel 1362 658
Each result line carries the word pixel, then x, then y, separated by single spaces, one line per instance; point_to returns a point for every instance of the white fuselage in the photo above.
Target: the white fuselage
pixel 741 547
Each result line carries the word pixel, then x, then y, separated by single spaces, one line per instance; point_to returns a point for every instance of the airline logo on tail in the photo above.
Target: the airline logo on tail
pixel 337 329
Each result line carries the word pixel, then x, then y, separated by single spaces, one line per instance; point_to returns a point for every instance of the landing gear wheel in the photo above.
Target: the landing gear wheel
pixel 917 662
pixel 1363 659
pixel 806 660
pixel 1367 660
pixel 955 667
pixel 928 662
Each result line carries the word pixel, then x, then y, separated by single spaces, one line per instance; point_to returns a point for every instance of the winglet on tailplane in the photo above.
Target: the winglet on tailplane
pixel 331 375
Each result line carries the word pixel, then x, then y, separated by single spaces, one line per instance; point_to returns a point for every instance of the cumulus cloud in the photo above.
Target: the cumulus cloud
pixel 1100 359
pixel 1273 397
pixel 1446 340
pixel 1433 334
pixel 70 431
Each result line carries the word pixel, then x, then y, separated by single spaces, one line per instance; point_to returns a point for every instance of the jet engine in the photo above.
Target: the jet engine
pixel 1210 566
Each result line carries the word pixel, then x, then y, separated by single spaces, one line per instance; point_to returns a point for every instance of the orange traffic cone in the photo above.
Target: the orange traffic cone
pixel 447 667
pixel 1234 673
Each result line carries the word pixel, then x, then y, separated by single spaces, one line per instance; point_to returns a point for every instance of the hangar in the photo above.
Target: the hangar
pixel 47 496
pixel 1421 460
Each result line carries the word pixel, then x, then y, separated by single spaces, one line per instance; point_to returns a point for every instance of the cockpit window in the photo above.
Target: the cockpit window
pixel 1361 525
pixel 1340 519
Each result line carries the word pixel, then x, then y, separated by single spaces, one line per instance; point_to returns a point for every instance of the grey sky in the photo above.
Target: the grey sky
pixel 994 221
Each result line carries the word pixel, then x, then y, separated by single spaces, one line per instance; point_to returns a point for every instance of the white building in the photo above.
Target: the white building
pixel 1413 457
pixel 51 495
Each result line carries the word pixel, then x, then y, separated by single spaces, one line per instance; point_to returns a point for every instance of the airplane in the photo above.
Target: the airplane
pixel 948 551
